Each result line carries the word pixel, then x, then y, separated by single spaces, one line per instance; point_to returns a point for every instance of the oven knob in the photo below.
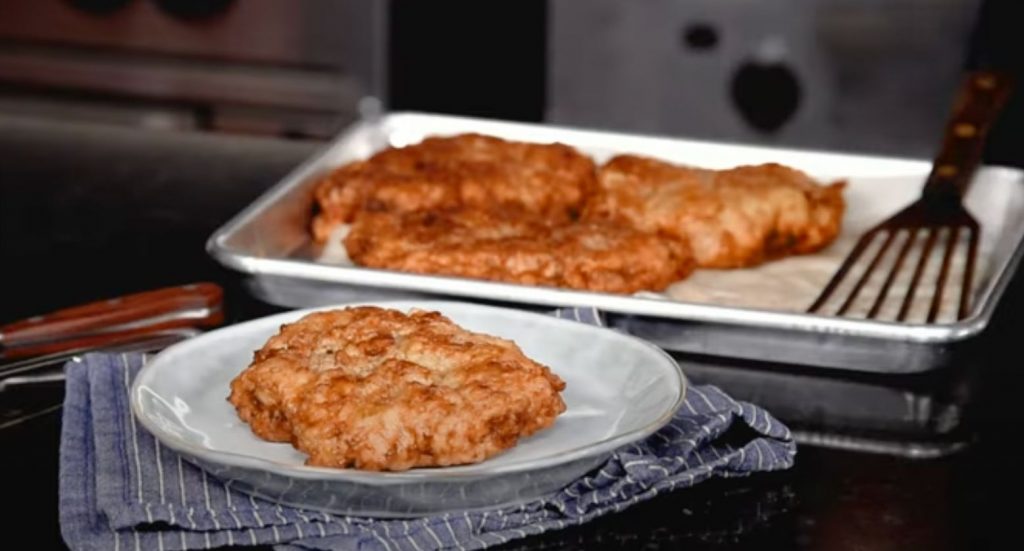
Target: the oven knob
pixel 766 94
pixel 700 37
pixel 99 7
pixel 194 9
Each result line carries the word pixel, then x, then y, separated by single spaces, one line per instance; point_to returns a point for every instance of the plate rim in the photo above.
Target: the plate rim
pixel 423 474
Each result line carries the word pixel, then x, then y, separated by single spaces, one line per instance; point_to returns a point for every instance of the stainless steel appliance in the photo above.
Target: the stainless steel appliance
pixel 255 66
pixel 854 75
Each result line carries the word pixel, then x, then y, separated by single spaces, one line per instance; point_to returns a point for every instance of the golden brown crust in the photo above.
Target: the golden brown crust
pixel 511 246
pixel 550 180
pixel 377 389
pixel 731 218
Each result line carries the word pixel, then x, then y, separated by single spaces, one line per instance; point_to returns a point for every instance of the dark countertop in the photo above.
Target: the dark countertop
pixel 88 213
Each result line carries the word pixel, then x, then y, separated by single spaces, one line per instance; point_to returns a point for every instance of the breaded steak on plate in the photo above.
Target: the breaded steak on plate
pixel 379 389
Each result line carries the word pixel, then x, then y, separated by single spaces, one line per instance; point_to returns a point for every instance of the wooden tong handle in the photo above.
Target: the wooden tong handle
pixel 981 98
pixel 195 305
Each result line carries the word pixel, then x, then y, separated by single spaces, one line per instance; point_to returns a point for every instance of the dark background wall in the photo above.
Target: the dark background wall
pixel 483 59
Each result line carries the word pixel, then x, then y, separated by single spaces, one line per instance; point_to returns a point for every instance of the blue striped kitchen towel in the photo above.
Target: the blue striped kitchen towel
pixel 119 489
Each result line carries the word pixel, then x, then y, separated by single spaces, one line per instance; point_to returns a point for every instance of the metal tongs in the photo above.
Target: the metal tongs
pixel 143 322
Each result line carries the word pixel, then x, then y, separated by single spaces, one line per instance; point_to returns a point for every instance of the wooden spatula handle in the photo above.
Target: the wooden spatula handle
pixel 980 100
pixel 194 305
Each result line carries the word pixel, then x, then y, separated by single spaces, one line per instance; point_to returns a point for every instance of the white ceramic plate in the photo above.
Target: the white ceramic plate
pixel 618 389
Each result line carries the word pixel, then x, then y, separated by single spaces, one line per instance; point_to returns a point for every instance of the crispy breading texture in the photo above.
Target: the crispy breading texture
pixel 731 218
pixel 510 246
pixel 378 389
pixel 552 180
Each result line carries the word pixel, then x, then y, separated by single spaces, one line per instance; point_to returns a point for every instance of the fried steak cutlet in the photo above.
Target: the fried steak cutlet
pixel 513 247
pixel 731 218
pixel 378 389
pixel 468 170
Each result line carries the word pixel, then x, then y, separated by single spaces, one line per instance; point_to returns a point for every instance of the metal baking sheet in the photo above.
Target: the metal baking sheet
pixel 270 240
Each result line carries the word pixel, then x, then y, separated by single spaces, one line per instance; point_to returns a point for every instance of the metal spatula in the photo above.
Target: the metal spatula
pixel 940 209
